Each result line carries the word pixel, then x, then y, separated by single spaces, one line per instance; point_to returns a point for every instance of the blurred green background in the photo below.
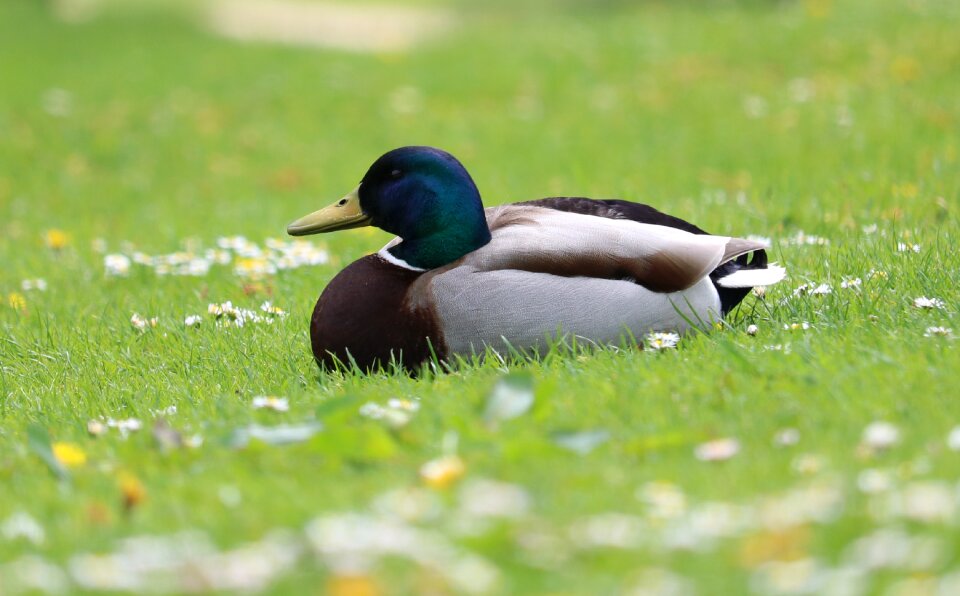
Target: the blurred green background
pixel 801 101
pixel 830 126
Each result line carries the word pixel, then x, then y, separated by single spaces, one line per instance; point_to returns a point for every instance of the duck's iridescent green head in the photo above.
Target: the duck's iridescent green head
pixel 421 194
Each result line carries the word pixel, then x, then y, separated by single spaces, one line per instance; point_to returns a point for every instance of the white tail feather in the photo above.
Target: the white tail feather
pixel 751 278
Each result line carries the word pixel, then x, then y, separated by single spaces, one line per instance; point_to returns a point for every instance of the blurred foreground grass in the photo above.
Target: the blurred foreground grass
pixel 829 127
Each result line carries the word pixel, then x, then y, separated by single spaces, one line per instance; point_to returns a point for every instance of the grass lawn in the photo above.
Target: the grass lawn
pixel 814 456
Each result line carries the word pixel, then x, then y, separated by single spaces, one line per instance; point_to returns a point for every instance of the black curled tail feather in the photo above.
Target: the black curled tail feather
pixel 731 297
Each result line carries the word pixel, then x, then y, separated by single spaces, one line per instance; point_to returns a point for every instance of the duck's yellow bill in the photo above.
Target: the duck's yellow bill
pixel 342 215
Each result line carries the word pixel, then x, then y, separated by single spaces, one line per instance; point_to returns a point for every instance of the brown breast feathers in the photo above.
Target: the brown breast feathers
pixel 365 316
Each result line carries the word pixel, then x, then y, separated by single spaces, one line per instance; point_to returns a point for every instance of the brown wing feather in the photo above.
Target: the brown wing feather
pixel 571 244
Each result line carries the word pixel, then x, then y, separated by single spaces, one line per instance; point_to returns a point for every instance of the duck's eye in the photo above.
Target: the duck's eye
pixel 396 174
pixel 342 202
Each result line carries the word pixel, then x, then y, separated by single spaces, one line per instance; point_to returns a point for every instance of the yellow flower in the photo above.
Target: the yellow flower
pixel 133 490
pixel 352 585
pixel 17 301
pixel 254 267
pixel 818 9
pixel 69 455
pixel 56 239
pixel 907 190
pixel 442 472
pixel 905 69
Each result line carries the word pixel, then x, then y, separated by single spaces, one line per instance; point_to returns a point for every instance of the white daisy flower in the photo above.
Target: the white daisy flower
pixel 762 239
pixel 905 247
pixel 34 284
pixel 796 326
pixel 272 310
pixel 801 90
pixel 373 410
pixel 141 258
pixel 822 290
pixel 953 439
pixel 168 411
pixel 141 323
pixel 717 450
pixel 752 329
pixel 22 525
pixel 755 106
pixel 407 405
pixel 443 471
pixel 193 321
pixel 269 402
pixel 57 102
pixel 881 435
pixel 938 332
pixel 196 268
pixel 873 481
pixel 924 302
pixel 396 413
pixel 849 284
pixel 801 238
pixel 661 341
pixel 125 426
pixel 96 428
pixel 116 265
pixel 786 437
pixel 218 256
pixel 247 258
pixel 229 315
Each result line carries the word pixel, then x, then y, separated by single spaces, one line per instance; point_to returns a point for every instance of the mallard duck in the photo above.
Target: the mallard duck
pixel 459 278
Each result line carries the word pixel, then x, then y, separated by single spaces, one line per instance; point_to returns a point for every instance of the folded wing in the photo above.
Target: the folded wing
pixel 660 258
